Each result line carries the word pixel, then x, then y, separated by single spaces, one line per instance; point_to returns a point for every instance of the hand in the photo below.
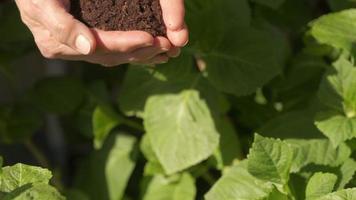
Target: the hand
pixel 58 35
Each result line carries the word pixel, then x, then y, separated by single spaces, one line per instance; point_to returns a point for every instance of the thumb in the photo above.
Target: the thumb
pixel 64 27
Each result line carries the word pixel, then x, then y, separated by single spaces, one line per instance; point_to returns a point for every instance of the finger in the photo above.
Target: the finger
pixel 161 45
pixel 54 16
pixel 122 41
pixel 159 59
pixel 174 52
pixel 173 15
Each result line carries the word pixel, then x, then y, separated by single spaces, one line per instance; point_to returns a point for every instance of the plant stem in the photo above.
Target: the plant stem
pixel 37 154
pixel 133 124
pixel 208 178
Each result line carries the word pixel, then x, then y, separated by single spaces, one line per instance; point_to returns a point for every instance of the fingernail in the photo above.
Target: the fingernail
pixel 83 45
pixel 186 42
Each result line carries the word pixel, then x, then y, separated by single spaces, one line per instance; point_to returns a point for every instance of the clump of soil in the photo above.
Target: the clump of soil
pixel 121 15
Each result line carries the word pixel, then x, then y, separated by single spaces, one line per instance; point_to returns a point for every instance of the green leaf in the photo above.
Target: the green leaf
pixel 60 95
pixel 177 187
pixel 336 29
pixel 140 83
pixel 105 119
pixel 336 127
pixel 348 194
pixel 347 169
pixel 229 147
pixel 294 124
pixel 270 3
pixel 337 90
pixel 119 165
pixel 238 183
pixel 37 191
pixel 153 166
pixel 270 160
pixel 242 64
pixel 320 184
pixel 105 174
pixel 19 175
pixel 338 94
pixel 227 13
pixel 277 195
pixel 181 129
pixel 319 152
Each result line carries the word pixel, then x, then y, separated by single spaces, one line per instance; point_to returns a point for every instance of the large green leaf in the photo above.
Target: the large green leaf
pixel 105 119
pixel 119 165
pixel 238 183
pixel 176 187
pixel 336 29
pixel 16 176
pixel 320 184
pixel 238 58
pixel 106 172
pixel 338 94
pixel 243 63
pixel 270 160
pixel 181 129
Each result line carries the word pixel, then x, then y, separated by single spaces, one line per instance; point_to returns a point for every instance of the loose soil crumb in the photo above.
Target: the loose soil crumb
pixel 121 15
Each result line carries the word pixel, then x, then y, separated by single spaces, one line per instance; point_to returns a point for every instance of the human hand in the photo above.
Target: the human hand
pixel 58 35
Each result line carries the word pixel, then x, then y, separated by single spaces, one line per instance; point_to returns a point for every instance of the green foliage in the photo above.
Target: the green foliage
pixel 261 105
pixel 320 184
pixel 23 182
pixel 174 188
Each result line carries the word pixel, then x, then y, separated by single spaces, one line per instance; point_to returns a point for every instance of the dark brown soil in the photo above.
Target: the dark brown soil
pixel 121 15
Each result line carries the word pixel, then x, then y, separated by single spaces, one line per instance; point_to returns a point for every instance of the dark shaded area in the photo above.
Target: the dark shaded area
pixel 121 15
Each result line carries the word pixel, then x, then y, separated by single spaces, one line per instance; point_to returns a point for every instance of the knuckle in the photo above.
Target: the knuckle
pixel 36 3
pixel 62 30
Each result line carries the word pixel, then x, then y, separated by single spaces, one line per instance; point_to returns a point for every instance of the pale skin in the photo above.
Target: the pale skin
pixel 59 35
